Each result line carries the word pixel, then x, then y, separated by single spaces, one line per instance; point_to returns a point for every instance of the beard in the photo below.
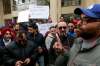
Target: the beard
pixel 88 35
pixel 7 39
pixel 62 33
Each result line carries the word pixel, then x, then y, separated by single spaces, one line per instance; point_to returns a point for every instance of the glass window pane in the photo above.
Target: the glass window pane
pixel 70 2
pixel 6 6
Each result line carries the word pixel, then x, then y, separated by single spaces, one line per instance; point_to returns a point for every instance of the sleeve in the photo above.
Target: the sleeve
pixel 33 53
pixel 48 42
pixel 42 42
pixel 8 60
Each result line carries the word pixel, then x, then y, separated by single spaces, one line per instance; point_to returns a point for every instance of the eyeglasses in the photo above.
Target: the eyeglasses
pixel 71 26
pixel 64 27
pixel 89 20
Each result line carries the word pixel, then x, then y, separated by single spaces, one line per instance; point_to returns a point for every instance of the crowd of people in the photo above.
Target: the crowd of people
pixel 65 44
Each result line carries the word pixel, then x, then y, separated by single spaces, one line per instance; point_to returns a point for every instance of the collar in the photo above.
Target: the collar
pixel 6 42
pixel 89 47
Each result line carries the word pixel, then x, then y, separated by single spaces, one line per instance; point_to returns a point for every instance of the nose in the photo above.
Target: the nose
pixel 63 29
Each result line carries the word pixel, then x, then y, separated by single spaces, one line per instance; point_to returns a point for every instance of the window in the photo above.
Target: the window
pixel 23 1
pixel 70 2
pixel 14 7
pixel 6 6
pixel 43 2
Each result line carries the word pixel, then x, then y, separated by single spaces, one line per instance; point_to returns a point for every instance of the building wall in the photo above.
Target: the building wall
pixel 55 9
pixel 67 10
pixel 1 13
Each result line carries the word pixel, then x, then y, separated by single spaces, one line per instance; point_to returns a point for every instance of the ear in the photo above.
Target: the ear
pixel 98 27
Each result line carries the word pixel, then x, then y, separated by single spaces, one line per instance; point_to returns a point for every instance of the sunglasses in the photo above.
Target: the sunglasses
pixel 64 27
pixel 70 26
pixel 89 20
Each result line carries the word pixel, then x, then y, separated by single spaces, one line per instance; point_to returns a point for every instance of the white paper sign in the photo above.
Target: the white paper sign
pixel 39 12
pixel 23 16
pixel 43 28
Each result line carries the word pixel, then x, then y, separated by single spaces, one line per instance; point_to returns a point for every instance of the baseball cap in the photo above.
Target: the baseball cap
pixel 92 11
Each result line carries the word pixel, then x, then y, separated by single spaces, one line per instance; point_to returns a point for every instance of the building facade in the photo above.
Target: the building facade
pixel 9 8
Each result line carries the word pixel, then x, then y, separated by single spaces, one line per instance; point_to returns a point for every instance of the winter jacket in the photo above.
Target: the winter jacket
pixel 84 56
pixel 15 52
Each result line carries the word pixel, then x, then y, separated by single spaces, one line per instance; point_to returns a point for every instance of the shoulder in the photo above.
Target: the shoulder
pixel 73 35
pixel 31 43
pixel 77 43
pixel 78 40
pixel 39 36
pixel 76 46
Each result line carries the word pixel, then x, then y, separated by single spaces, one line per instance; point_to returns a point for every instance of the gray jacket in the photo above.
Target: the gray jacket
pixel 91 57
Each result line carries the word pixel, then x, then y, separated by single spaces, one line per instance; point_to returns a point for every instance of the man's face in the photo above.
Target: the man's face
pixel 17 27
pixel 71 27
pixel 62 28
pixel 31 30
pixel 53 30
pixel 89 28
pixel 7 35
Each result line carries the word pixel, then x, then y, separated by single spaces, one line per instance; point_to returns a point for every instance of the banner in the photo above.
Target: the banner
pixel 23 16
pixel 43 28
pixel 39 12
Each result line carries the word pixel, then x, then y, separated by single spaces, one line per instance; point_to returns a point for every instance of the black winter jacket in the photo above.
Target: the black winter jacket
pixel 15 52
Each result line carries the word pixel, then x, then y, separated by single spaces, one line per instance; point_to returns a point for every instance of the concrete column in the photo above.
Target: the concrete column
pixel 11 2
pixel 59 9
pixel 53 10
